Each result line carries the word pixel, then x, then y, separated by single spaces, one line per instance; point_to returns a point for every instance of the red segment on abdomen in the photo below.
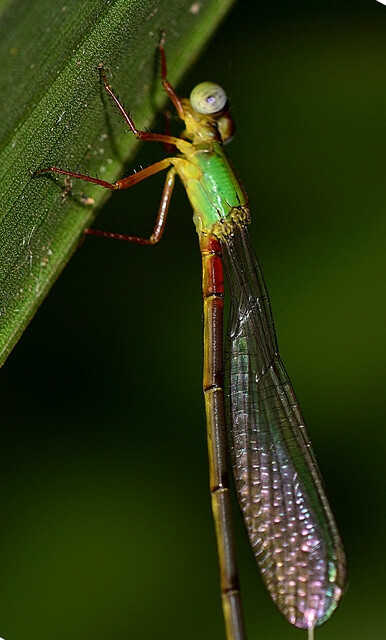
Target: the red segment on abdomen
pixel 212 271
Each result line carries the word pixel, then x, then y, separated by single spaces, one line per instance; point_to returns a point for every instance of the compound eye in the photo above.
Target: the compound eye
pixel 208 98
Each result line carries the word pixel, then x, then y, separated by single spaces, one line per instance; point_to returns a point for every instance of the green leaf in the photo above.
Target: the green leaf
pixel 54 112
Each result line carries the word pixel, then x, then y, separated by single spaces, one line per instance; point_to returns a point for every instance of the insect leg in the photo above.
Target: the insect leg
pixel 159 223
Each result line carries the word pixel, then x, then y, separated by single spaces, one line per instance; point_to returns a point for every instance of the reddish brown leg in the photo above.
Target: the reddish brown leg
pixel 167 117
pixel 125 183
pixel 166 84
pixel 141 135
pixel 159 223
pixel 81 176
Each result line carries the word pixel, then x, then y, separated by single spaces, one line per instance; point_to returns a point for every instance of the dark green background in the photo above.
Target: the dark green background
pixel 106 526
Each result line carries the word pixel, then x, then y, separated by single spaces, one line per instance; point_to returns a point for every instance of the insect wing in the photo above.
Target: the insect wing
pixel 289 522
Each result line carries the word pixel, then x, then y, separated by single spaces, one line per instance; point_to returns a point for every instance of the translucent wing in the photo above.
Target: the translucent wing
pixel 290 525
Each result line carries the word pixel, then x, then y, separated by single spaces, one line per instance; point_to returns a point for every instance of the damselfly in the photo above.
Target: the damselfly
pixel 290 526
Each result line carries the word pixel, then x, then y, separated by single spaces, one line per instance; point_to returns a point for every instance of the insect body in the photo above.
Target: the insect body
pixel 290 526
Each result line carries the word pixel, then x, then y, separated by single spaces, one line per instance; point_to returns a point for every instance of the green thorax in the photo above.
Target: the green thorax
pixel 214 190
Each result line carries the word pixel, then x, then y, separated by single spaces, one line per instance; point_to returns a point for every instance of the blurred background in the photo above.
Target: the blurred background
pixel 107 530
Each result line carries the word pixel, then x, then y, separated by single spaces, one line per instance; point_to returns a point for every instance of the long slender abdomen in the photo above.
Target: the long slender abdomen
pixel 213 295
